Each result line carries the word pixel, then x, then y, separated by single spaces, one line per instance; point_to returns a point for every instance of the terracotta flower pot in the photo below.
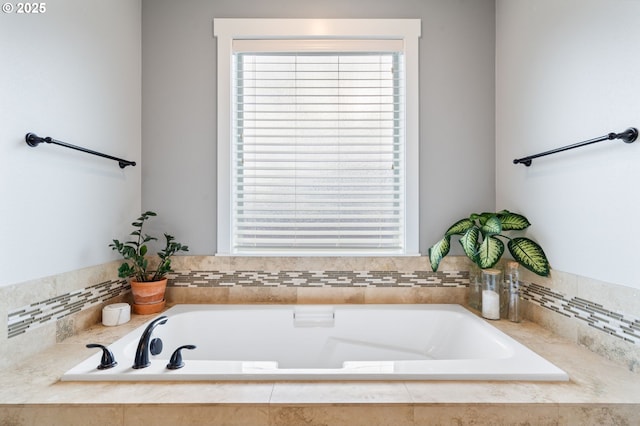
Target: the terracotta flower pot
pixel 148 297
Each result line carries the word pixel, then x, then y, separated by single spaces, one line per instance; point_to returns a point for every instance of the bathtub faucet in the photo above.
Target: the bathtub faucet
pixel 142 353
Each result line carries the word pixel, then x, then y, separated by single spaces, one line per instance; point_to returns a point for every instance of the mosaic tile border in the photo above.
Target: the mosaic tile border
pixel 624 327
pixel 37 314
pixel 277 279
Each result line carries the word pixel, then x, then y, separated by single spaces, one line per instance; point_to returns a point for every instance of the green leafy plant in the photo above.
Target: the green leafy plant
pixel 134 252
pixel 479 237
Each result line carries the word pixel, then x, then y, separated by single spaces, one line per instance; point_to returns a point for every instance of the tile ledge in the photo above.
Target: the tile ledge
pixel 594 381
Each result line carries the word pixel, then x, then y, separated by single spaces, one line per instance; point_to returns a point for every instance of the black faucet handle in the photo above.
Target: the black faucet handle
pixel 155 346
pixel 176 358
pixel 108 360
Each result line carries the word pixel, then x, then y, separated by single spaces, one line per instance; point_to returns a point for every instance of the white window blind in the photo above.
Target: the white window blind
pixel 318 150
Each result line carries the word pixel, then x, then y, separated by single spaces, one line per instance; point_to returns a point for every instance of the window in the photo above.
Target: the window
pixel 317 137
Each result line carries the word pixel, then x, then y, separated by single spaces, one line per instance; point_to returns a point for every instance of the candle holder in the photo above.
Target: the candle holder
pixel 491 287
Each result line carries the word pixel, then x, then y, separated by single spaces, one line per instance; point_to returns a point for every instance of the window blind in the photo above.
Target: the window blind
pixel 318 158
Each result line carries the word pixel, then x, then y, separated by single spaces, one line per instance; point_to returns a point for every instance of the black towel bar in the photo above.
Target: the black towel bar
pixel 628 136
pixel 34 140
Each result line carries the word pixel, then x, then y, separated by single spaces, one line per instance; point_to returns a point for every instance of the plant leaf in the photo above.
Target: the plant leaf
pixel 483 217
pixel 490 252
pixel 469 242
pixel 460 227
pixel 492 226
pixel 438 251
pixel 530 255
pixel 513 221
pixel 124 270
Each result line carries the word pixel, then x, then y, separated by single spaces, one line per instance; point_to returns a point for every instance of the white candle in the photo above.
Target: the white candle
pixel 490 304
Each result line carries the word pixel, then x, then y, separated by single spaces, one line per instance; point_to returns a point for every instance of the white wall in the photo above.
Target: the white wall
pixel 457 159
pixel 72 73
pixel 569 71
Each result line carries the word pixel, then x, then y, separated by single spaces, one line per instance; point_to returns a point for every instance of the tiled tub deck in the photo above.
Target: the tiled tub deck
pixel 600 392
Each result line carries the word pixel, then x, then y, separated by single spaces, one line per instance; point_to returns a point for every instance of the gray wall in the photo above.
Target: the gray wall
pixel 179 105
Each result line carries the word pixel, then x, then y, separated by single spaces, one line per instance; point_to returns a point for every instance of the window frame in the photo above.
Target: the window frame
pixel 226 30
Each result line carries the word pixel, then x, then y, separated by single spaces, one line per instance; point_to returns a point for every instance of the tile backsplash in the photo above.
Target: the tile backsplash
pixel 625 327
pixel 557 303
pixel 320 279
pixel 40 313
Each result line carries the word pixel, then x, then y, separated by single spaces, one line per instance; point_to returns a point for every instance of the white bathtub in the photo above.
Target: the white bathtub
pixel 325 342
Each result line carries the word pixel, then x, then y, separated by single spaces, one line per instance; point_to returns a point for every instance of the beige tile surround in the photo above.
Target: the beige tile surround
pixel 600 391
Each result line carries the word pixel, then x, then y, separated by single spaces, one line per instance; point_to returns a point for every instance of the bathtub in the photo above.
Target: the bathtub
pixel 325 342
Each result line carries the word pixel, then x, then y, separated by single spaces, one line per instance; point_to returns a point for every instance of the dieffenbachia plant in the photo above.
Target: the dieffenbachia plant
pixel 480 241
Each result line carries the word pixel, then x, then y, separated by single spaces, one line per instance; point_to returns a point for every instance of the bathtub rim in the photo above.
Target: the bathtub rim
pixel 540 369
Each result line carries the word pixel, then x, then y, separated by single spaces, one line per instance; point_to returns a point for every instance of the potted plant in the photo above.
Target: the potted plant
pixel 480 240
pixel 148 286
